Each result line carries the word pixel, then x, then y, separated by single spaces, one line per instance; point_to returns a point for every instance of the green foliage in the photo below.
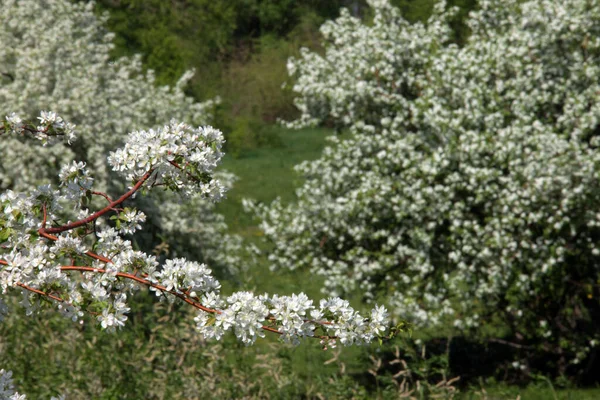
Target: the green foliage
pixel 250 165
pixel 492 390
pixel 252 82
pixel 172 36
pixel 157 357
pixel 248 133
pixel 238 48
pixel 257 18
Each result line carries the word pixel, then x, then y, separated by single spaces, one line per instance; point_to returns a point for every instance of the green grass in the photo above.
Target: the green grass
pixel 264 174
pixel 267 173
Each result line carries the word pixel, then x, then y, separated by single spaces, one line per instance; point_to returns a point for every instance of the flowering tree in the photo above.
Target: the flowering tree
pixel 85 265
pixel 468 191
pixel 60 59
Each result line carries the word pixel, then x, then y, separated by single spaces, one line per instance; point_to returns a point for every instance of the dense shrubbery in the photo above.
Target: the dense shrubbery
pixel 468 192
pixel 207 35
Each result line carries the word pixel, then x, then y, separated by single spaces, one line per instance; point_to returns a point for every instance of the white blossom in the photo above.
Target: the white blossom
pixel 47 256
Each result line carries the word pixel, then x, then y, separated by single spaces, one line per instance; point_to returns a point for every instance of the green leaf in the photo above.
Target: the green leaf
pixel 5 233
pixel 211 320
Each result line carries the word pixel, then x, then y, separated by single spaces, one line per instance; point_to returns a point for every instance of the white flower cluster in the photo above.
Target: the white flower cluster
pixel 50 122
pixel 246 313
pixel 52 127
pixel 130 221
pixel 6 386
pixel 56 55
pixel 182 157
pixel 84 265
pixel 114 317
pixel 76 179
pixel 195 278
pixel 468 188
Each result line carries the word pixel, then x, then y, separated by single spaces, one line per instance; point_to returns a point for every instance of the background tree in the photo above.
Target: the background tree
pixel 239 49
pixel 467 191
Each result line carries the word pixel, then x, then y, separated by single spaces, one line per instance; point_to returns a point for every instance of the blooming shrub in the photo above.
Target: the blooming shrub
pixel 468 191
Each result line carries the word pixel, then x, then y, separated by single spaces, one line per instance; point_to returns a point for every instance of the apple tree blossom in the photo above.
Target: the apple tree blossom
pixel 87 266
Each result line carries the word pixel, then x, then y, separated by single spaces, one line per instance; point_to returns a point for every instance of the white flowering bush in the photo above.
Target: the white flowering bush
pixel 468 191
pixel 60 59
pixel 56 55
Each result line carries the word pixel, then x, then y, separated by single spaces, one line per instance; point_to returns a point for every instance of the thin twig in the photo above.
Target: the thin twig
pixel 511 344
pixel 99 213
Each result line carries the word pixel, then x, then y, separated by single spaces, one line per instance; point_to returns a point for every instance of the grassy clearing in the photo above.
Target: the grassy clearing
pixel 266 173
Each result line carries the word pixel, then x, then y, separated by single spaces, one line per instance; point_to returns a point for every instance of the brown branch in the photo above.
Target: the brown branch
pixel 103 195
pixel 98 257
pixel 183 297
pixel 47 232
pixel 99 213
pixel 143 282
pixel 56 298
pixel 87 253
pixel 41 293
pixel 146 282
pixel 511 344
